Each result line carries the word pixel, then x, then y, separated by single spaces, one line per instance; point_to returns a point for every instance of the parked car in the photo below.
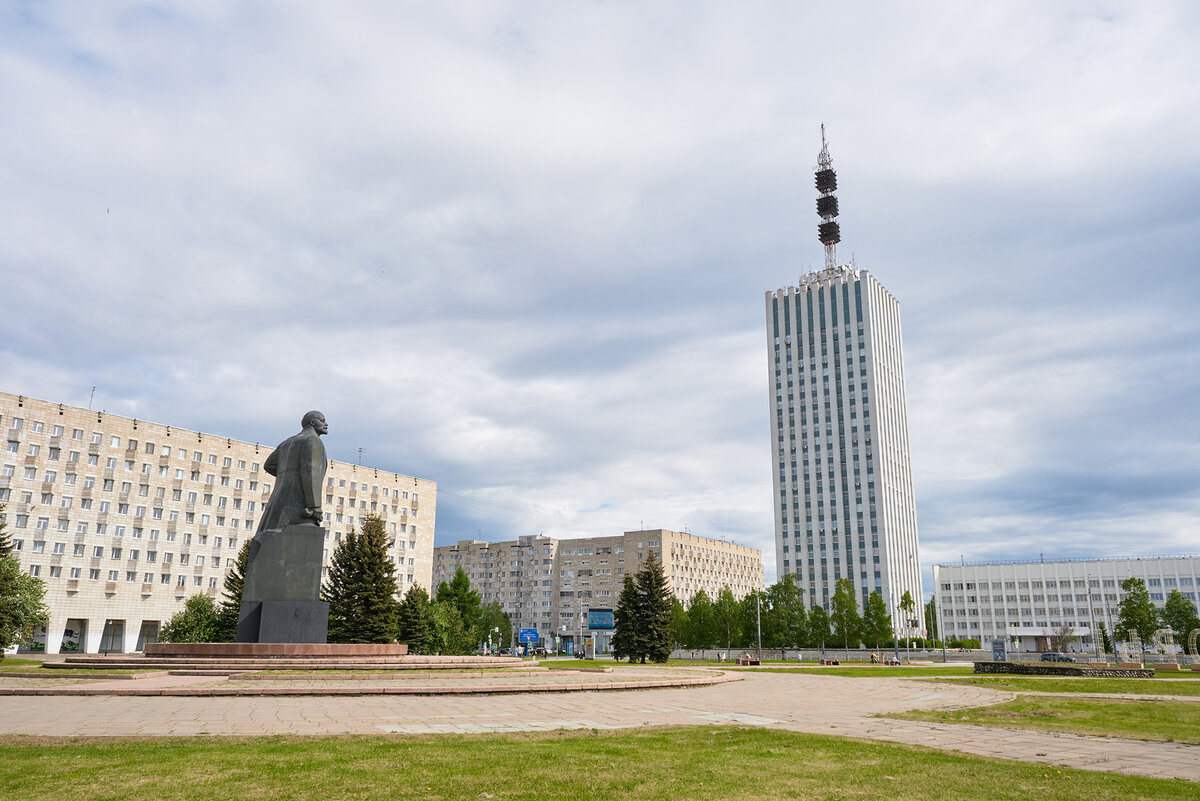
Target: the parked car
pixel 1056 656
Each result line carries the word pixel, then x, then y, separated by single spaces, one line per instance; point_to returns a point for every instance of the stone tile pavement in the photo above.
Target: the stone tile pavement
pixel 833 705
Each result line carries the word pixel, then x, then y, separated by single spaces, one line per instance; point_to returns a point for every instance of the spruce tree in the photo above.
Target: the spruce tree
pixel 361 587
pixel 231 598
pixel 654 606
pixel 416 621
pixel 626 640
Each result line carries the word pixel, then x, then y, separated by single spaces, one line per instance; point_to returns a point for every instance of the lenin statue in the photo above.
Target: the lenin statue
pixel 282 588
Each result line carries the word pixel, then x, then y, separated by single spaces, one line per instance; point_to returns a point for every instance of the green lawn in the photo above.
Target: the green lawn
pixel 874 671
pixel 12 665
pixel 1139 720
pixel 1086 685
pixel 670 763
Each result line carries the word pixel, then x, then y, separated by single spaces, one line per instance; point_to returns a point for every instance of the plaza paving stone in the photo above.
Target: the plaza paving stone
pixel 833 705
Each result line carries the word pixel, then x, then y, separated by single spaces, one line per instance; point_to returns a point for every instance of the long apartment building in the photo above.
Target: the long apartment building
pixel 1026 603
pixel 124 519
pixel 553 585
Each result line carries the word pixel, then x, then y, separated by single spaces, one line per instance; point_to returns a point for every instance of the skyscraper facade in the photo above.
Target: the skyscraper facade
pixel 844 504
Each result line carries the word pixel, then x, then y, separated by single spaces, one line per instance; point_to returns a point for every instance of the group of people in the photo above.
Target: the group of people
pixel 887 660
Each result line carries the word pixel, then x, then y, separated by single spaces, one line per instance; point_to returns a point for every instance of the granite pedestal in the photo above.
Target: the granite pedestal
pixel 282 589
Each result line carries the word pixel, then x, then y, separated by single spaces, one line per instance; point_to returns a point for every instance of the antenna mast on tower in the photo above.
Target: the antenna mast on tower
pixel 829 232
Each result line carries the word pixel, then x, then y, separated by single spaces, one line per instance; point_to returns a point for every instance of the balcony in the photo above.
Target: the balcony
pixel 110 587
pixel 147 589
pixel 72 585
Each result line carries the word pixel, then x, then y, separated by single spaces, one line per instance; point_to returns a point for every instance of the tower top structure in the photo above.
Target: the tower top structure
pixel 828 230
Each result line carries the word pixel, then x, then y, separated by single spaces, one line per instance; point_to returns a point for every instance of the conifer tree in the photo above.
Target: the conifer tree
pixel 654 607
pixel 416 621
pixel 361 587
pixel 626 639
pixel 231 597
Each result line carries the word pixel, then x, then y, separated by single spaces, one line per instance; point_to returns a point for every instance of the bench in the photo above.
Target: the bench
pixel 830 662
pixel 748 660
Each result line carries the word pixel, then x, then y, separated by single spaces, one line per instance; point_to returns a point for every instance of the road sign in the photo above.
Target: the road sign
pixel 527 635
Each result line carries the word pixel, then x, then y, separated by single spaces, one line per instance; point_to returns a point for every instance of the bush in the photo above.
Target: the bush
pixel 197 622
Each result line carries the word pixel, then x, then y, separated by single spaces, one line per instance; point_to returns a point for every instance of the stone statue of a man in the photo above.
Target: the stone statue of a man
pixel 298 465
pixel 281 594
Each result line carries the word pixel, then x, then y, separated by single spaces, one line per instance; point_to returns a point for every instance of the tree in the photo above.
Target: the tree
pixel 196 622
pixel 361 587
pixel 458 592
pixel 702 622
pixel 1179 614
pixel 415 622
pixel 1136 613
pixel 654 607
pixel 843 613
pixel 726 612
pixel 231 598
pixel 909 607
pixel 876 622
pixel 450 633
pixel 748 618
pixel 492 616
pixel 931 618
pixel 5 540
pixel 1105 641
pixel 626 640
pixel 818 627
pixel 679 623
pixel 1061 637
pixel 22 605
pixel 784 619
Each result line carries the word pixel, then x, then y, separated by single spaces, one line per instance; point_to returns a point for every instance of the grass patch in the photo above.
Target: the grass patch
pixel 1084 684
pixel 1139 720
pixel 867 670
pixel 668 763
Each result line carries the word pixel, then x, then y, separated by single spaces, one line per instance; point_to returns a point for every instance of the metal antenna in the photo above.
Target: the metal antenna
pixel 829 232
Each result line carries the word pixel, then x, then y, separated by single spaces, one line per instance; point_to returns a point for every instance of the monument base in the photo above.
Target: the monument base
pixel 283 621
pixel 282 587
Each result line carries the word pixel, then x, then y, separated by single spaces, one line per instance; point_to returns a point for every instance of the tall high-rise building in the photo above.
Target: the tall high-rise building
pixel 844 504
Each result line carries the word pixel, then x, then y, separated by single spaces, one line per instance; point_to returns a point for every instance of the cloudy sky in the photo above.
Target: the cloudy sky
pixel 521 248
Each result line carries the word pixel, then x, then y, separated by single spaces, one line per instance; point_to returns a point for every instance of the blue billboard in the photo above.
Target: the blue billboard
pixel 600 619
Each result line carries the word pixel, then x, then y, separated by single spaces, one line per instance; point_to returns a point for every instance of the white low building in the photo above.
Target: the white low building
pixel 1027 603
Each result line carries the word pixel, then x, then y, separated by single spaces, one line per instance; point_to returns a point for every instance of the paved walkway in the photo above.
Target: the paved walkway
pixel 819 704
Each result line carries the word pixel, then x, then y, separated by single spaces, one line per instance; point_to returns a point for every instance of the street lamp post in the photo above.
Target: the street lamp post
pixel 1092 617
pixel 758 601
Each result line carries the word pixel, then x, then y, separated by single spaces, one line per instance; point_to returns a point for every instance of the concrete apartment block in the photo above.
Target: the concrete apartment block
pixel 551 584
pixel 124 519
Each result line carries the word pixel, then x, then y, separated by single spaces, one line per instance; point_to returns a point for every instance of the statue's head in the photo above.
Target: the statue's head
pixel 316 421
